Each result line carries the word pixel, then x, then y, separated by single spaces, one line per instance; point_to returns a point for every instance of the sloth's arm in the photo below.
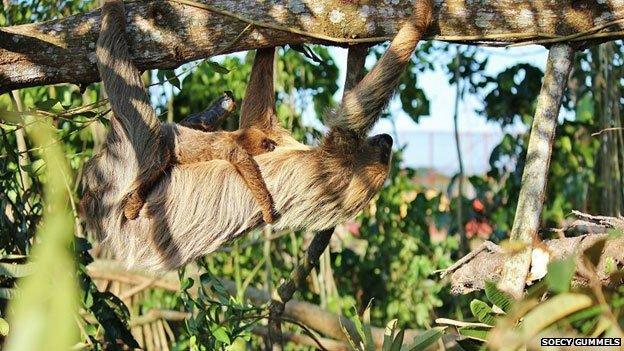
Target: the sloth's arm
pixel 258 108
pixel 134 121
pixel 122 82
pixel 363 104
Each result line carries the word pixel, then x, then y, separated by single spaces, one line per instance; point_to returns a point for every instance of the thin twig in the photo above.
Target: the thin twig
pixel 607 130
pixel 584 35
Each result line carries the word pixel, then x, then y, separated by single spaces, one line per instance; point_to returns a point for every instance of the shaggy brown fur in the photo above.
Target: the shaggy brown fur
pixel 195 208
pixel 192 146
pixel 179 145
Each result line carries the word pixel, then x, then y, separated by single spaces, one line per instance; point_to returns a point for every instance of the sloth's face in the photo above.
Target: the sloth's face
pixel 374 163
pixel 380 147
pixel 369 173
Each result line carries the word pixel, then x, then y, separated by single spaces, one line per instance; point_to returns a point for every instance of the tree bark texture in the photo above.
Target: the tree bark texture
pixel 166 34
pixel 487 264
pixel 535 174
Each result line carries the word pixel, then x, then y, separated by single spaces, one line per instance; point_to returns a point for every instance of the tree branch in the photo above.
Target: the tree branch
pixel 535 174
pixel 166 34
pixel 286 291
pixel 487 262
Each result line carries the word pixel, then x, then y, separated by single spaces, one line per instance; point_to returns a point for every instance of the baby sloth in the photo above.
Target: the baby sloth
pixel 195 141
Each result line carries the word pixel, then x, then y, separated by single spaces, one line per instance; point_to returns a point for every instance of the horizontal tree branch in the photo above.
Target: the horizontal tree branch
pixel 486 263
pixel 166 34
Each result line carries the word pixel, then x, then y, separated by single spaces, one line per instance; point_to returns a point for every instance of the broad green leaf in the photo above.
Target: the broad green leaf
pixel 480 334
pixel 49 105
pixel 560 274
pixel 482 311
pixel 426 339
pixel 472 344
pixel 388 334
pixel 498 297
pixel 217 67
pixel 220 334
pixel 398 341
pixel 4 327
pixel 42 317
pixel 554 309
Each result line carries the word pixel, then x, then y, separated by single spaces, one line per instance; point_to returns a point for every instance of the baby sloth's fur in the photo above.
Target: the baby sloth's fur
pixel 191 146
pixel 194 208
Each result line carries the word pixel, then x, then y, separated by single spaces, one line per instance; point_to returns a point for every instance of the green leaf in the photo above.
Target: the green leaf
pixel 4 327
pixel 187 283
pixel 388 334
pixel 469 344
pixel 8 293
pixel 358 325
pixel 221 335
pixel 398 341
pixel 560 273
pixel 551 311
pixel 498 297
pixel 426 339
pixel 217 67
pixel 42 316
pixel 16 270
pixel 49 105
pixel 480 334
pixel 173 79
pixel 483 312
pixel 368 333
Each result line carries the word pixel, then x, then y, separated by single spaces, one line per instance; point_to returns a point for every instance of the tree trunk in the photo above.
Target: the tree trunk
pixel 535 174
pixel 166 34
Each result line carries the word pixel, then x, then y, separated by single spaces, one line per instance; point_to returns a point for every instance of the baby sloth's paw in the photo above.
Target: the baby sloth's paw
pixel 132 206
pixel 268 216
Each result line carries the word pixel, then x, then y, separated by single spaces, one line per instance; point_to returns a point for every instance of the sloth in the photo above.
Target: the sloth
pixel 190 145
pixel 194 208
pixel 179 144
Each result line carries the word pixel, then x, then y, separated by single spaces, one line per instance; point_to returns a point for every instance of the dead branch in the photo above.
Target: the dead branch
pixel 166 34
pixel 487 264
